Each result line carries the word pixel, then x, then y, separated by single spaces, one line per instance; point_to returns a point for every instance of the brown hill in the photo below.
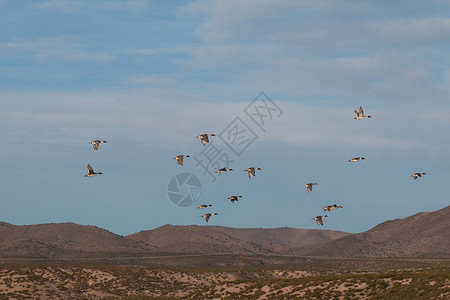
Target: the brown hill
pixel 219 239
pixel 59 240
pixel 282 238
pixel 425 234
pixel 195 239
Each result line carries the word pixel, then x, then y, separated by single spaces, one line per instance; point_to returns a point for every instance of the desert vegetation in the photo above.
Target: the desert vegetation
pixel 345 280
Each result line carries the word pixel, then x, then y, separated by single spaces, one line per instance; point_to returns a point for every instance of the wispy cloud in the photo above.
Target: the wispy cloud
pixel 319 49
pixel 413 32
pixel 187 49
pixel 173 120
pixel 153 80
pixel 60 48
pixel 74 6
pixel 65 6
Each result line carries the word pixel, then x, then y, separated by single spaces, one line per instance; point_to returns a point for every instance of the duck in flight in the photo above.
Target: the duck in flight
pixel 415 175
pixel 252 172
pixel 205 138
pixel 319 219
pixel 91 172
pixel 354 159
pixel 208 215
pixel 309 186
pixel 360 114
pixel 223 170
pixel 204 206
pixel 179 158
pixel 96 143
pixel 234 198
pixel 331 207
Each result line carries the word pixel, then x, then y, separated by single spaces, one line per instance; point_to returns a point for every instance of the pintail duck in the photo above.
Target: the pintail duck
pixel 223 170
pixel 234 198
pixel 179 158
pixel 360 114
pixel 96 143
pixel 251 171
pixel 319 219
pixel 309 186
pixel 356 159
pixel 205 138
pixel 207 216
pixel 91 172
pixel 331 207
pixel 204 206
pixel 415 175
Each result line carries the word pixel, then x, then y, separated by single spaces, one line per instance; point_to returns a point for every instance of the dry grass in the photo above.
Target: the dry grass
pixel 97 282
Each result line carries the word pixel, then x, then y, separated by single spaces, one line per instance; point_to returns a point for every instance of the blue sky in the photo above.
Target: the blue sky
pixel 148 76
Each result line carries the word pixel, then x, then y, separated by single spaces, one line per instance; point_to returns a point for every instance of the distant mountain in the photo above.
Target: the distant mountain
pixel 424 234
pixel 60 240
pixel 282 238
pixel 195 239
pixel 213 239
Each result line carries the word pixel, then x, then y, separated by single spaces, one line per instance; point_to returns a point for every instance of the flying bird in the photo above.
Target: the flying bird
pixel 415 175
pixel 356 159
pixel 319 219
pixel 223 170
pixel 234 198
pixel 207 216
pixel 309 186
pixel 91 172
pixel 179 158
pixel 251 171
pixel 360 114
pixel 331 207
pixel 205 138
pixel 96 143
pixel 204 206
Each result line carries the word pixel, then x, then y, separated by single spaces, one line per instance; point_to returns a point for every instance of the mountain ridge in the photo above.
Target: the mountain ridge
pixel 419 235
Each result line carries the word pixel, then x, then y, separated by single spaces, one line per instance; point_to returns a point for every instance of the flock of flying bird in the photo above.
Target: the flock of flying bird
pixel 204 138
pixel 319 219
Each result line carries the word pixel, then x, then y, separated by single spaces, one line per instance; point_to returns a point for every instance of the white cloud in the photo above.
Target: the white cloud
pixel 173 120
pixel 76 6
pixel 65 6
pixel 249 21
pixel 162 51
pixel 153 80
pixel 60 48
pixel 322 49
pixel 418 32
pixel 146 116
